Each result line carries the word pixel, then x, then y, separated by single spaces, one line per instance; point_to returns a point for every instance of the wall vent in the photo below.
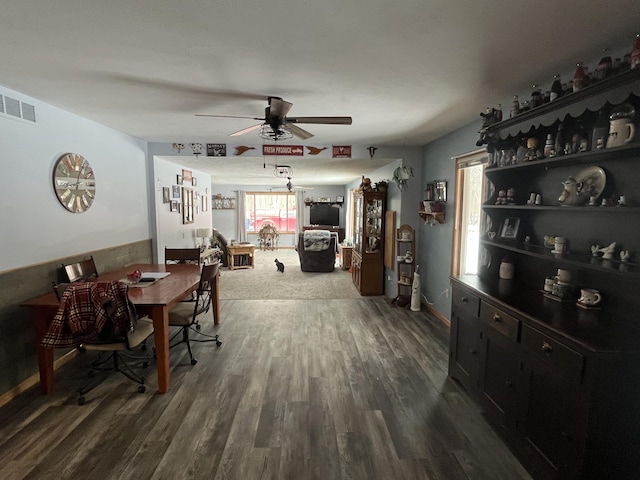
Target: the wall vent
pixel 28 112
pixel 13 108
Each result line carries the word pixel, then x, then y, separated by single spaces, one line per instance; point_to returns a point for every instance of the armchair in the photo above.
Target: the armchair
pixel 317 261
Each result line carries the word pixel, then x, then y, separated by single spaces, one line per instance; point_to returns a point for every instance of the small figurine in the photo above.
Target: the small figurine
pixel 607 252
pixel 625 255
pixel 489 117
pixel 365 185
pixel 502 197
pixel 533 152
pixel 511 195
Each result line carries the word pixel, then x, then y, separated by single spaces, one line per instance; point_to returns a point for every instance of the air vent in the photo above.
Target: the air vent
pixel 13 107
pixel 28 112
pixel 16 109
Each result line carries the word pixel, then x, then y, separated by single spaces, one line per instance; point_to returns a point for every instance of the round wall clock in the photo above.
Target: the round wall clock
pixel 74 183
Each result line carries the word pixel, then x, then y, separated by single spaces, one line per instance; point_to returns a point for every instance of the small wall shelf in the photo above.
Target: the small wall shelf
pixel 432 216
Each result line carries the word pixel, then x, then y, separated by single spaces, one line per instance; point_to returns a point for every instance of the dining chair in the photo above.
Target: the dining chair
pixel 186 315
pixel 99 317
pixel 82 271
pixel 182 255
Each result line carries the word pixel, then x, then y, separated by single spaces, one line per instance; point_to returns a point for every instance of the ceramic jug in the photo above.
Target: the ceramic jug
pixel 621 132
pixel 572 193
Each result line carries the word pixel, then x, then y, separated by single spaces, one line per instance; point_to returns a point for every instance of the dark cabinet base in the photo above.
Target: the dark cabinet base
pixel 567 409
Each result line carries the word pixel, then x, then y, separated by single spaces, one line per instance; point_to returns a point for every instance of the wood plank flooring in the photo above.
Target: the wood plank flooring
pixel 300 389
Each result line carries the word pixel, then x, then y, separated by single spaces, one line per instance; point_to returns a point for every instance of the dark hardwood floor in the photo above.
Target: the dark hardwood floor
pixel 300 389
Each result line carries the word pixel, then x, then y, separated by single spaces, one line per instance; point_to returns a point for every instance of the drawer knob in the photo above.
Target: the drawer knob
pixel 464 300
pixel 472 351
pixel 546 348
pixel 509 383
pixel 496 318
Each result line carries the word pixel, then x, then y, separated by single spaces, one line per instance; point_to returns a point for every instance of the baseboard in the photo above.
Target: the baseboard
pixel 438 315
pixel 34 379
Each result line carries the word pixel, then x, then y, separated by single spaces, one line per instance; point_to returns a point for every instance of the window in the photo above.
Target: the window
pixel 468 212
pixel 278 209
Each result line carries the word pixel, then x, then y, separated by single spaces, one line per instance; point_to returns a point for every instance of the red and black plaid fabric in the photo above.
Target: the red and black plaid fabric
pixel 90 311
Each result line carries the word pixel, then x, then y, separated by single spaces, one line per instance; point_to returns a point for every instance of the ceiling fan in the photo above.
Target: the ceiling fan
pixel 291 187
pixel 277 126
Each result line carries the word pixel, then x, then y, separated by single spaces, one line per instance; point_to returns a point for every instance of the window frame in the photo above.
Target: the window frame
pixel 291 206
pixel 469 159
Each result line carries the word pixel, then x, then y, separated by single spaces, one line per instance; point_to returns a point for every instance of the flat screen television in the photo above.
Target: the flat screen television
pixel 324 214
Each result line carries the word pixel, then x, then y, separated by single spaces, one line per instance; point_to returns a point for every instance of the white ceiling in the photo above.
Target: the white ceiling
pixel 406 71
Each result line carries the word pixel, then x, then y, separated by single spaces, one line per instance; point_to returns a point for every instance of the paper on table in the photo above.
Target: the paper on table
pixel 156 275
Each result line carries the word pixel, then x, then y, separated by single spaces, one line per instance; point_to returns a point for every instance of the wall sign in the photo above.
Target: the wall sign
pixel 291 150
pixel 342 151
pixel 216 149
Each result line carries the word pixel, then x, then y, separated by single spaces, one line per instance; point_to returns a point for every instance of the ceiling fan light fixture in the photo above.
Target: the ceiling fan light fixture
pixel 283 171
pixel 268 133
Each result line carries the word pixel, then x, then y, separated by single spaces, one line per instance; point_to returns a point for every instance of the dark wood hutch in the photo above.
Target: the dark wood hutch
pixel 561 383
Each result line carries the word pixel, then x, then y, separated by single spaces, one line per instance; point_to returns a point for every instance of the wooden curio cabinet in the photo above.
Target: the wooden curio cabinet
pixel 367 261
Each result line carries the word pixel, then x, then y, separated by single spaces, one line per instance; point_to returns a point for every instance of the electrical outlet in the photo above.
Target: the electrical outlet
pixel 446 293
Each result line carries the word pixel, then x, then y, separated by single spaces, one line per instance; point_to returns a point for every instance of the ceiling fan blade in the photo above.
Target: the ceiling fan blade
pixel 298 132
pixel 279 107
pixel 246 130
pixel 321 120
pixel 226 116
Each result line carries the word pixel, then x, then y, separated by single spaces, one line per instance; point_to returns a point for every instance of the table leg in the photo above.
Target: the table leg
pixel 41 319
pixel 216 299
pixel 160 317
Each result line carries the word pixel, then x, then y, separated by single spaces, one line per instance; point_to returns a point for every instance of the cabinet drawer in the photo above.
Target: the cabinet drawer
pixel 504 323
pixel 553 353
pixel 463 301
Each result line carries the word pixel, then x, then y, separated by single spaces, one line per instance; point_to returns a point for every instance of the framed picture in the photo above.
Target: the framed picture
pixel 194 182
pixel 175 191
pixel 174 206
pixel 509 230
pixel 165 194
pixel 205 203
pixel 339 199
pixel 186 175
pixel 179 179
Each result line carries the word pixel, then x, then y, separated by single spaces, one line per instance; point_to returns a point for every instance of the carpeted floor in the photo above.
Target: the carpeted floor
pixel 265 282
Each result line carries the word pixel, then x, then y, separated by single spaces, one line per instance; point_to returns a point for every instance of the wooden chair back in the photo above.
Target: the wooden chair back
pixel 182 255
pixel 82 271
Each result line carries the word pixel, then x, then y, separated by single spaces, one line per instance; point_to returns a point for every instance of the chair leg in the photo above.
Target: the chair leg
pixel 119 365
pixel 185 333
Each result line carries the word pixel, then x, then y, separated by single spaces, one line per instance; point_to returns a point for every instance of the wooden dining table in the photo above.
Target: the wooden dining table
pixel 154 300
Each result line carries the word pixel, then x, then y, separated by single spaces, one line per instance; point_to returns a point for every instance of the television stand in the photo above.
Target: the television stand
pixel 338 230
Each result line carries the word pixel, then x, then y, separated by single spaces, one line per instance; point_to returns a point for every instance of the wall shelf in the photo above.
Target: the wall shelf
pixel 436 216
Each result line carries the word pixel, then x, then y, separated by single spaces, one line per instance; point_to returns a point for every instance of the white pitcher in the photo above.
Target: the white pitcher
pixel 621 132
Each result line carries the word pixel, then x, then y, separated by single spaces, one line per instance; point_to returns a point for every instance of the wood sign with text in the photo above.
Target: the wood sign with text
pixel 342 151
pixel 284 150
pixel 216 149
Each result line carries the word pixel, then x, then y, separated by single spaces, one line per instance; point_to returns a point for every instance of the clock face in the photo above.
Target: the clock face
pixel 74 183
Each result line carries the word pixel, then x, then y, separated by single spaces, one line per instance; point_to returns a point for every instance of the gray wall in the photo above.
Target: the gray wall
pixel 435 242
pixel 38 234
